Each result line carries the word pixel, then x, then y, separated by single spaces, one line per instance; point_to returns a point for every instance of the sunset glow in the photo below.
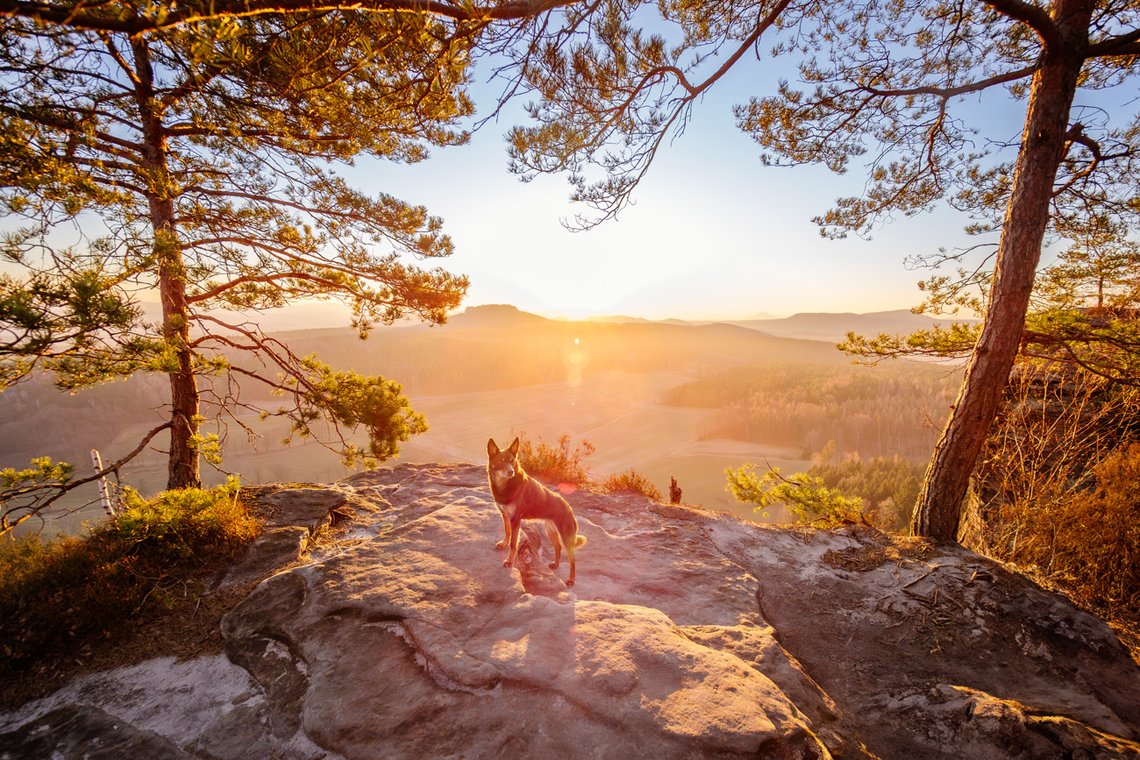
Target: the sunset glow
pixel 576 363
pixel 486 378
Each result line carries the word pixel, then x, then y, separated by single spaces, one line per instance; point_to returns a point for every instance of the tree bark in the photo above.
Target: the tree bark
pixel 182 458
pixel 1043 143
pixel 182 461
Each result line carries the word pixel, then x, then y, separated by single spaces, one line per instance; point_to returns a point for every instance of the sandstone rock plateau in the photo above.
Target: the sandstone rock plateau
pixel 688 634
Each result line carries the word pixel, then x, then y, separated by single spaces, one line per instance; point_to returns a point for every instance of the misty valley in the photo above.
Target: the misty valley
pixel 669 400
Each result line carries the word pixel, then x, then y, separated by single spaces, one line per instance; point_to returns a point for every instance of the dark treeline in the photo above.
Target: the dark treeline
pixel 891 409
pixel 888 486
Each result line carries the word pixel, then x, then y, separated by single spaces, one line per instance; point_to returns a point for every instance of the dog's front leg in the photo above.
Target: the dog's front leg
pixel 506 530
pixel 514 542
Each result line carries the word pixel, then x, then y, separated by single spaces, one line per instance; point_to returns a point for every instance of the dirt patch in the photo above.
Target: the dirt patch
pixel 876 550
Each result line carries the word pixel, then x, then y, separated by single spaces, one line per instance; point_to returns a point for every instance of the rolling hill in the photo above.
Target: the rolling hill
pixel 834 327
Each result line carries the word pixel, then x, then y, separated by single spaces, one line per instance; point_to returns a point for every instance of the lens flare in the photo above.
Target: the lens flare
pixel 575 361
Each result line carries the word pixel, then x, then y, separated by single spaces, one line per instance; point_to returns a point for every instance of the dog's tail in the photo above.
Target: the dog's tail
pixel 581 541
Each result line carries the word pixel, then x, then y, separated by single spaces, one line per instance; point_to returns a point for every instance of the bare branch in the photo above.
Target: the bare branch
pixel 44 495
pixel 952 92
pixel 1124 44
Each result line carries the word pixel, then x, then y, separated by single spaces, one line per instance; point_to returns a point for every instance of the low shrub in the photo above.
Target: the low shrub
pixel 555 464
pixel 630 481
pixel 190 524
pixel 60 598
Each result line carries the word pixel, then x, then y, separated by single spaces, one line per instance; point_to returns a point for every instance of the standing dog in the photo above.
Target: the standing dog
pixel 520 497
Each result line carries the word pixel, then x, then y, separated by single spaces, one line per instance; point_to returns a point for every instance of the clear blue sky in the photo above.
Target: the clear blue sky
pixel 713 234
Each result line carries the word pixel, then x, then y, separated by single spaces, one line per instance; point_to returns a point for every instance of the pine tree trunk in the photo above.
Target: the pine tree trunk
pixel 182 460
pixel 1043 143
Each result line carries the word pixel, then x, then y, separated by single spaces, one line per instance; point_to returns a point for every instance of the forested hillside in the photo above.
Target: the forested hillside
pixel 835 327
pixel 37 418
pixel 894 408
pixel 495 347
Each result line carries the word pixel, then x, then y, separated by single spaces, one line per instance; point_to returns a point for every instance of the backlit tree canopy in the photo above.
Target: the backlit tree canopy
pixel 1084 311
pixel 892 89
pixel 136 19
pixel 199 161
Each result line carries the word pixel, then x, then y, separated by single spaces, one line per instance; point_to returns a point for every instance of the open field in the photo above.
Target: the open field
pixel 619 413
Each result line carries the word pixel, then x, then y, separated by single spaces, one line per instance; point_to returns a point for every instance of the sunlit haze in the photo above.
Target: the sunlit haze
pixel 713 233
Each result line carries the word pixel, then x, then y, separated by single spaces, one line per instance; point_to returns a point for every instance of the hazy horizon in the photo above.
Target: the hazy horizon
pixel 310 315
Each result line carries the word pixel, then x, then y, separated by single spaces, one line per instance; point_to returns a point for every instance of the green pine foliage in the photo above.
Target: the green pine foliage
pixel 1083 312
pixel 207 157
pixel 806 496
pixel 882 89
pixel 19 489
pixel 887 486
pixel 373 403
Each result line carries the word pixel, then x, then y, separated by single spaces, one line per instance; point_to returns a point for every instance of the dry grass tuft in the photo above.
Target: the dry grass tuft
pixel 630 481
pixel 1084 542
pixel 556 464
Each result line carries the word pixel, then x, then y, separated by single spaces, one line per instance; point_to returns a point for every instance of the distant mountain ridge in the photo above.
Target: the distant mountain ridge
pixel 494 315
pixel 481 349
pixel 835 326
pixel 822 326
pixel 496 346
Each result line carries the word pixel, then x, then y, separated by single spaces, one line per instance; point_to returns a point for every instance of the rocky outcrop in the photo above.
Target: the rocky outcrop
pixel 688 634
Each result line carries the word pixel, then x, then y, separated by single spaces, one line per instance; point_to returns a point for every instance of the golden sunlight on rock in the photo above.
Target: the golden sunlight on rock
pixel 688 634
pixel 506 649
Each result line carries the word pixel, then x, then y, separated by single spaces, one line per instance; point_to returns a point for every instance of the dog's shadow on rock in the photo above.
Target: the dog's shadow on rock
pixel 534 557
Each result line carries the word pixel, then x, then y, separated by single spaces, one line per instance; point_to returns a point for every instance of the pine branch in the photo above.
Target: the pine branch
pixel 76 16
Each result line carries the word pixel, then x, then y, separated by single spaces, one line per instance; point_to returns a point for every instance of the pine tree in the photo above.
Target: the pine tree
pixel 205 156
pixel 883 86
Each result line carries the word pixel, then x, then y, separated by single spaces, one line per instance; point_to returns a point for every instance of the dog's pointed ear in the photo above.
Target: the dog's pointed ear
pixel 492 447
pixel 513 449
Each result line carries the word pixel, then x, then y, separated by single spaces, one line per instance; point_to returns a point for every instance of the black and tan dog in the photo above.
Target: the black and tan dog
pixel 520 497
